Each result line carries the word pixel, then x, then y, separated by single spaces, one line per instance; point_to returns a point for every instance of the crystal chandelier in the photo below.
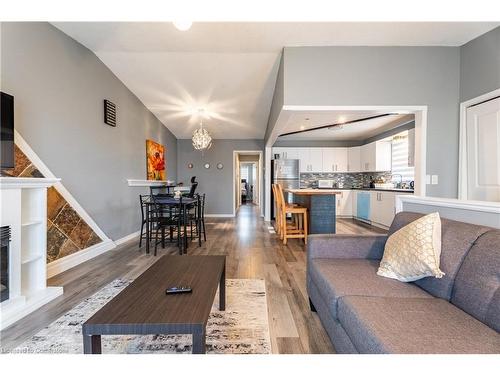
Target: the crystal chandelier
pixel 201 138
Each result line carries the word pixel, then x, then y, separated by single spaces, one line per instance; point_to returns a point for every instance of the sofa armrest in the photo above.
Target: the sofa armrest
pixel 346 246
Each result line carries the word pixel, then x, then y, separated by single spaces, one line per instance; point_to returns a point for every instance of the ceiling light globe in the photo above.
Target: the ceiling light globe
pixel 182 25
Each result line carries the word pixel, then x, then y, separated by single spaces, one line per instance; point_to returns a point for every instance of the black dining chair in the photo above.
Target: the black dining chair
pixel 198 218
pixel 193 190
pixel 161 190
pixel 169 218
pixel 143 199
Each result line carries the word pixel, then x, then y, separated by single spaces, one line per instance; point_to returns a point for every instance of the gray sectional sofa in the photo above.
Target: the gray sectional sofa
pixel 366 313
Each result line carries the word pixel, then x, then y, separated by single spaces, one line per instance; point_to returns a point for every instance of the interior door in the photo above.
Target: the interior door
pixel 483 151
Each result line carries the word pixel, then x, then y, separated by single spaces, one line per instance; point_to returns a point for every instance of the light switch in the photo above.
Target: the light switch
pixel 428 179
pixel 434 179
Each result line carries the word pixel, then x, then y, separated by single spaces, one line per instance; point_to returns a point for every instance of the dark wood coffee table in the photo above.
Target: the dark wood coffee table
pixel 142 308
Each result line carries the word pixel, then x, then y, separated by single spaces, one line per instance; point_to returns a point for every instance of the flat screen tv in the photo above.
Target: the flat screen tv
pixel 7 131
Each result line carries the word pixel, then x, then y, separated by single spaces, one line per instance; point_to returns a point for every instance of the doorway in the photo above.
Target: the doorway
pixel 248 179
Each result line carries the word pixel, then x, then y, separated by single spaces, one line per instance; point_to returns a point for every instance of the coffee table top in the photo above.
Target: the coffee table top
pixel 144 301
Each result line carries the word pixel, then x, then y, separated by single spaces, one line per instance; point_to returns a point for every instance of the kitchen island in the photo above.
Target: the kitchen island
pixel 321 208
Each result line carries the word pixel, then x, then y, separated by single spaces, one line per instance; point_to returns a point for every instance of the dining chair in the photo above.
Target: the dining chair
pixel 169 218
pixel 159 191
pixel 300 228
pixel 143 199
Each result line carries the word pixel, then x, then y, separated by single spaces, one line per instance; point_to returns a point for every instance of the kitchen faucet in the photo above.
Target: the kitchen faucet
pixel 400 184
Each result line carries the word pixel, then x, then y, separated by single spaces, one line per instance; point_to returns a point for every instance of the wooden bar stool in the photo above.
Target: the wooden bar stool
pixel 299 229
pixel 279 213
pixel 277 224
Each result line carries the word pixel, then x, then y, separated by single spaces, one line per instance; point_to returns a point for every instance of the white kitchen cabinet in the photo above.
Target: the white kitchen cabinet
pixel 303 156
pixel 279 151
pixel 411 147
pixel 344 203
pixel 316 159
pixel 286 152
pixel 383 207
pixel 335 159
pixel 328 159
pixel 376 156
pixel 354 159
pixel 340 157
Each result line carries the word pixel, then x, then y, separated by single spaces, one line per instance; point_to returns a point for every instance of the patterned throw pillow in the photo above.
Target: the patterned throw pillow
pixel 413 252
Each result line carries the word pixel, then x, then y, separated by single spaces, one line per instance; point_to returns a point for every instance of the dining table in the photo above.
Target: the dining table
pixel 166 202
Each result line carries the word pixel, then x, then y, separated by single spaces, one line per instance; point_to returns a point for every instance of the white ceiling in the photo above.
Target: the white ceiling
pixel 357 131
pixel 230 68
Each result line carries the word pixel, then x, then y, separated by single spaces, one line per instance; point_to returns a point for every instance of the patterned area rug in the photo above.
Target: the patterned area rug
pixel 242 328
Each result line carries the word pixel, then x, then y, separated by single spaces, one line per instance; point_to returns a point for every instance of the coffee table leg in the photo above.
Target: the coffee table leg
pixel 92 344
pixel 222 290
pixel 199 344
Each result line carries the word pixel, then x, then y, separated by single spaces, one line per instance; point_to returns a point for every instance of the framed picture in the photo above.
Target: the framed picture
pixel 155 160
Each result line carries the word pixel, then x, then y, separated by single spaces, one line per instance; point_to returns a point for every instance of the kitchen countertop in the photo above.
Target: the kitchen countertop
pixel 313 191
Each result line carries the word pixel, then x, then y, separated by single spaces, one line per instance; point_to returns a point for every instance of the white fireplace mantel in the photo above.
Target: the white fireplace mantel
pixel 23 207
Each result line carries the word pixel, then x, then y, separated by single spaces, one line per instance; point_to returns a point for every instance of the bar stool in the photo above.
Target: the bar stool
pixel 299 229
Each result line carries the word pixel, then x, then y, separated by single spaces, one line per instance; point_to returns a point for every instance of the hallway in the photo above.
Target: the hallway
pixel 251 251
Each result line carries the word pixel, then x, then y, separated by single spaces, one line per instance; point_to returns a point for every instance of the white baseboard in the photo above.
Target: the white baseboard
pixel 219 215
pixel 58 266
pixel 127 238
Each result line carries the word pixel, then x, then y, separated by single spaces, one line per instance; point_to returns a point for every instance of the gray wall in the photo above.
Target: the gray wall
pixel 385 76
pixel 217 184
pixel 59 87
pixel 480 65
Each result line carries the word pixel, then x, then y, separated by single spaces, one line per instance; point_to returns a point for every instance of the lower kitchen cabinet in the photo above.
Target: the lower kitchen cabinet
pixel 344 203
pixel 382 206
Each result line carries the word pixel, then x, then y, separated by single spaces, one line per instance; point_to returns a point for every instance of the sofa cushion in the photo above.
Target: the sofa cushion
pixel 356 277
pixel 477 285
pixel 413 325
pixel 456 240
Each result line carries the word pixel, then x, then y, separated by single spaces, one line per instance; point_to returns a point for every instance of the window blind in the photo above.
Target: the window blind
pixel 400 158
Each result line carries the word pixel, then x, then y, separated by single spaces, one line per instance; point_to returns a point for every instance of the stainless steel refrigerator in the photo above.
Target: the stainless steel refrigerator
pixel 284 172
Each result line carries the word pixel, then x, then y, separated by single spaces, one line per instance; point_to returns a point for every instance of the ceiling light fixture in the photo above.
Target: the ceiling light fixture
pixel 201 137
pixel 182 25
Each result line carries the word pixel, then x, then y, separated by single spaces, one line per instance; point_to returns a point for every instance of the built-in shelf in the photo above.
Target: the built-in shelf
pixel 31 258
pixel 24 210
pixel 32 222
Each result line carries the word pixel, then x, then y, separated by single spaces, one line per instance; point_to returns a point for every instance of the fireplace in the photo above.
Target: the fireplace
pixel 4 261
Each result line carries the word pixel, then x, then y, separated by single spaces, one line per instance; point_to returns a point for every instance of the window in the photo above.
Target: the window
pixel 400 158
pixel 244 172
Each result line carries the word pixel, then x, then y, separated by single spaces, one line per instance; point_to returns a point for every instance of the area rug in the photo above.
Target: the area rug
pixel 242 328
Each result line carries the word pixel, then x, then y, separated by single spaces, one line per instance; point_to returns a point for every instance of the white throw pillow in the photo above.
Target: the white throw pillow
pixel 414 251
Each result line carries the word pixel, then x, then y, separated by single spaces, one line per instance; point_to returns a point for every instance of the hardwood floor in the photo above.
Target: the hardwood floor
pixel 252 252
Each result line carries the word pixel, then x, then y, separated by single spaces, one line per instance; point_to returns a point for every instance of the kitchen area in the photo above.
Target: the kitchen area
pixel 358 181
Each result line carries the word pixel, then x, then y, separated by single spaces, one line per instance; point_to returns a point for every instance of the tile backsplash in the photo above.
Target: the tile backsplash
pixel 343 180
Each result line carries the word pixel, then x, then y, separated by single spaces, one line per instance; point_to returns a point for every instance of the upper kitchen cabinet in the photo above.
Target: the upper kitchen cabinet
pixel 286 152
pixel 316 159
pixel 335 159
pixel 376 157
pixel 311 159
pixel 354 159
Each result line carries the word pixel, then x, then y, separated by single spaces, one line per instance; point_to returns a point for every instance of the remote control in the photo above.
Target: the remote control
pixel 178 289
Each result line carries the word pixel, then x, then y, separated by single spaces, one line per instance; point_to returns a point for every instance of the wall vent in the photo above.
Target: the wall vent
pixel 109 113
